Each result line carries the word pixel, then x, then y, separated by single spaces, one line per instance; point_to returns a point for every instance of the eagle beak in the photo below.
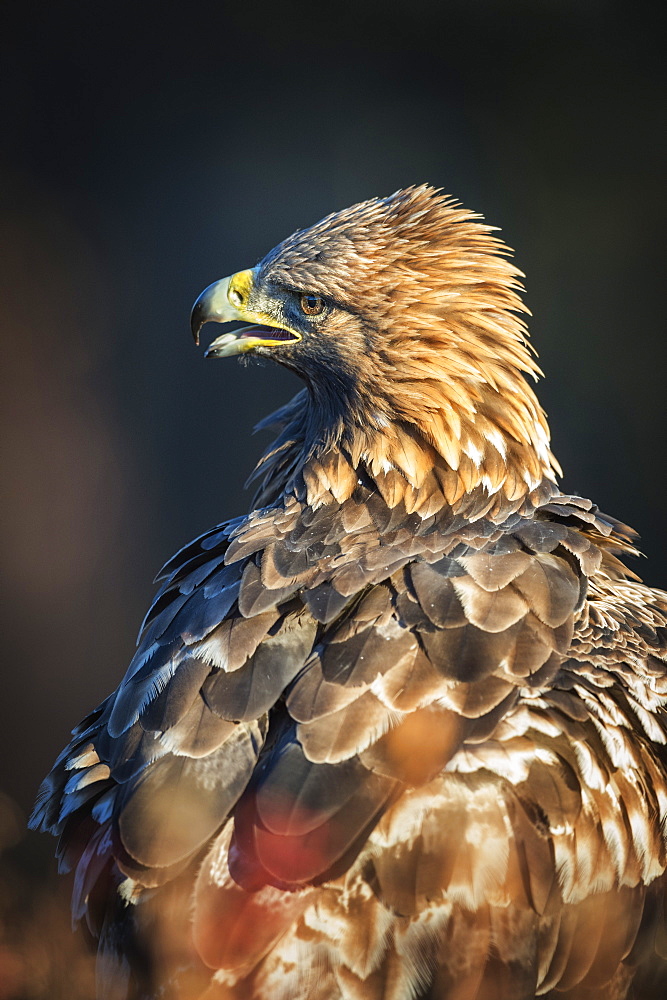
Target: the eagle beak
pixel 227 300
pixel 214 305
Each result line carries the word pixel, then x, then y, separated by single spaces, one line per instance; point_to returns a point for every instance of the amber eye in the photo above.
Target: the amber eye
pixel 311 305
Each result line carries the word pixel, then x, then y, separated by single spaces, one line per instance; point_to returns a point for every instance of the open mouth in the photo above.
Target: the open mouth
pixel 267 333
pixel 247 338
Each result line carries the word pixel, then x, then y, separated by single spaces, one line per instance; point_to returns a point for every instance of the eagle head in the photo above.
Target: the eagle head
pixel 401 314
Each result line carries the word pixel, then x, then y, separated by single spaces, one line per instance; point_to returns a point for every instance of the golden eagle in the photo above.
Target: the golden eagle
pixel 399 732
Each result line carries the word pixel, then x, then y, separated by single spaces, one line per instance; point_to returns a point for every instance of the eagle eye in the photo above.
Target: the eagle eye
pixel 311 305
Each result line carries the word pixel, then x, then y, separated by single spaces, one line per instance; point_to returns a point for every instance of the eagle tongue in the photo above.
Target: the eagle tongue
pixel 266 333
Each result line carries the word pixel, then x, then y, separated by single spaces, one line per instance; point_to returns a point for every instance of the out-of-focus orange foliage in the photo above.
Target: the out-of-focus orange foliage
pixel 423 743
pixel 40 958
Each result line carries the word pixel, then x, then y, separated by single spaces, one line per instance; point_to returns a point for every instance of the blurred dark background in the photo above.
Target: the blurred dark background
pixel 148 148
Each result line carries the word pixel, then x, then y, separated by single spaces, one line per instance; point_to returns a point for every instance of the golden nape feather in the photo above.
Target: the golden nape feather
pixel 399 732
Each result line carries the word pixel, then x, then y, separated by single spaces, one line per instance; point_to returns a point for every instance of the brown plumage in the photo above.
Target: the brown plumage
pixel 399 732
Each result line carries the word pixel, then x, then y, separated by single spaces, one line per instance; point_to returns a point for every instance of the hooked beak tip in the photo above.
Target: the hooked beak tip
pixel 213 305
pixel 197 320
